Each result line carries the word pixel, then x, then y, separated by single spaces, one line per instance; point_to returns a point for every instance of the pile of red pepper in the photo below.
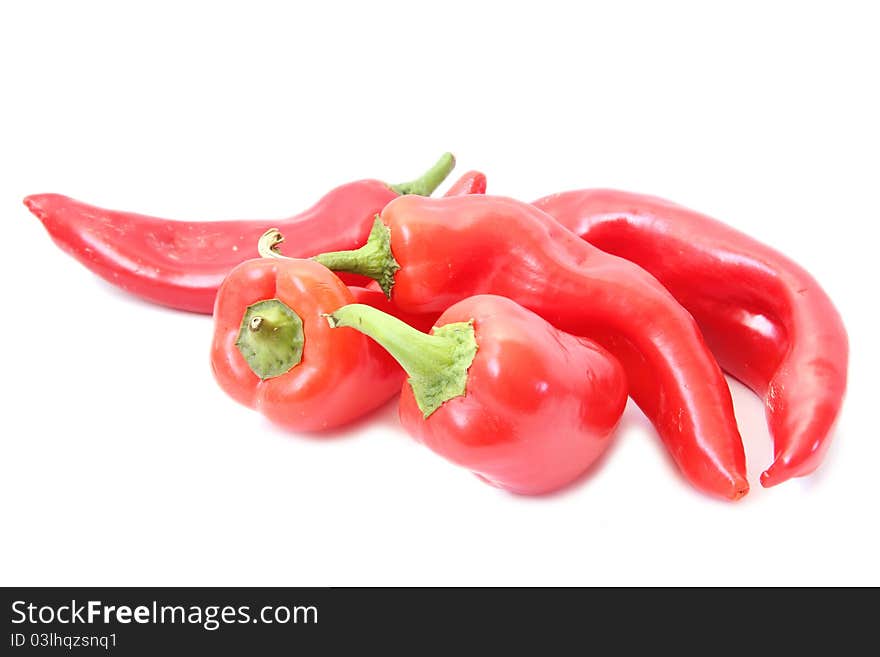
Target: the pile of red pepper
pixel 514 330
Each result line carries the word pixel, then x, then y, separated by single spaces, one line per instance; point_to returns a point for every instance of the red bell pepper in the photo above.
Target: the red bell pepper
pixel 767 321
pixel 181 264
pixel 430 253
pixel 498 390
pixel 273 351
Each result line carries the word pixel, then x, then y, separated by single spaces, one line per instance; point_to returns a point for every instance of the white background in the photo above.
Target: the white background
pixel 123 463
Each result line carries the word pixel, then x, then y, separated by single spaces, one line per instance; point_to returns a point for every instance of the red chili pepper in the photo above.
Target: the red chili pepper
pixel 182 263
pixel 273 351
pixel 430 253
pixel 767 321
pixel 472 182
pixel 498 390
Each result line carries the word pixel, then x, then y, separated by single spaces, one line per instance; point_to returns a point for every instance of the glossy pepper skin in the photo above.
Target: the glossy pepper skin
pixel 470 182
pixel 767 321
pixel 341 375
pixel 431 253
pixel 537 406
pixel 180 264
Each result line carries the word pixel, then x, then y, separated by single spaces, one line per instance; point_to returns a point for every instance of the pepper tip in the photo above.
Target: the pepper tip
pixel 771 477
pixel 32 203
pixel 739 489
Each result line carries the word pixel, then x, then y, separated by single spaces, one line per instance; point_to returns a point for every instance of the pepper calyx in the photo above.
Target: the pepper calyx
pixel 373 260
pixel 271 338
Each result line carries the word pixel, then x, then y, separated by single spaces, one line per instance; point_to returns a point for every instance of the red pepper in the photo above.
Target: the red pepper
pixel 767 321
pixel 273 351
pixel 472 182
pixel 430 253
pixel 182 263
pixel 498 390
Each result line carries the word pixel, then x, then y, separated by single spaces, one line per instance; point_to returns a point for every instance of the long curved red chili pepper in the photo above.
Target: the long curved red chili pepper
pixel 430 253
pixel 497 389
pixel 182 263
pixel 767 321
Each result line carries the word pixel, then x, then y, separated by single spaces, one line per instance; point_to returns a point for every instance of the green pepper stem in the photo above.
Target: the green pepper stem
pixel 430 180
pixel 373 260
pixel 437 363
